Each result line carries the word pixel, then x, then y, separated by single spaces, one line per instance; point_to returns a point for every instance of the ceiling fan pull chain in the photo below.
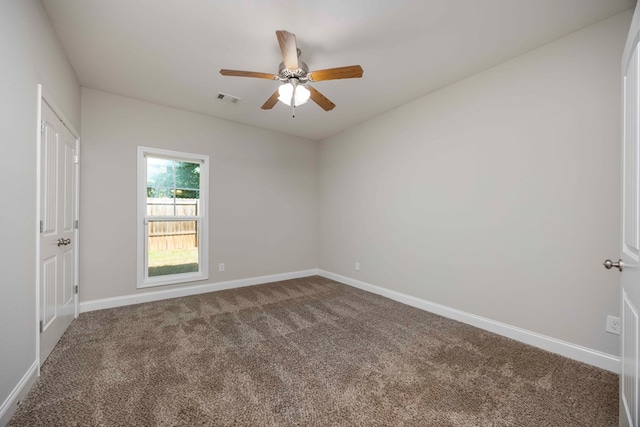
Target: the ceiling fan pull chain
pixel 293 99
pixel 294 73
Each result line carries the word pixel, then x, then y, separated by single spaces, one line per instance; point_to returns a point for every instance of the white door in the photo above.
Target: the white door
pixel 57 225
pixel 630 250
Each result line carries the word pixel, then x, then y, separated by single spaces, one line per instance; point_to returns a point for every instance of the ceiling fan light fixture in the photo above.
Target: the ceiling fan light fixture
pixel 302 95
pixel 294 74
pixel 297 93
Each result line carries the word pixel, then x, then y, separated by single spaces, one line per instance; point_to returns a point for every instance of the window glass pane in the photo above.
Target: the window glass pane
pixel 187 175
pixel 172 197
pixel 172 247
pixel 173 187
pixel 160 177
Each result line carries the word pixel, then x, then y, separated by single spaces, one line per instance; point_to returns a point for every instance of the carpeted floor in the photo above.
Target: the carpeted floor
pixel 309 352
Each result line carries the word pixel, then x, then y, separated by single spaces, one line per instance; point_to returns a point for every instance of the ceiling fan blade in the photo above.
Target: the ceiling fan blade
pixel 349 72
pixel 271 102
pixel 289 49
pixel 238 73
pixel 321 100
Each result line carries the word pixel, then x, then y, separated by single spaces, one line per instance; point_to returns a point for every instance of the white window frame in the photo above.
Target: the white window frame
pixel 144 281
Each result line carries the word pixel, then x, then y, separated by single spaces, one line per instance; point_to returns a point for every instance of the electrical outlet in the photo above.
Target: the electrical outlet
pixel 221 267
pixel 613 325
pixel 357 266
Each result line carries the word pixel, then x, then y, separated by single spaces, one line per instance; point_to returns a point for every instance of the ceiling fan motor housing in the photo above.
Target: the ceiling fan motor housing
pixel 300 74
pixel 297 76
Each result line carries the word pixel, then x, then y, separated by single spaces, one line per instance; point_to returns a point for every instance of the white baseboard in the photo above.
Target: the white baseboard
pixel 100 304
pixel 563 348
pixel 10 405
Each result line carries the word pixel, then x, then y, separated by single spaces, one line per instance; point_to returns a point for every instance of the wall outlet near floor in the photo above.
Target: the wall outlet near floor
pixel 613 325
pixel 221 267
pixel 357 266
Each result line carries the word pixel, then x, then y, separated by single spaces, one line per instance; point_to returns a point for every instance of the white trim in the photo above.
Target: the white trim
pixel 10 404
pixel 37 224
pixel 553 345
pixel 45 96
pixel 76 233
pixel 143 280
pixel 58 111
pixel 563 348
pixel 124 300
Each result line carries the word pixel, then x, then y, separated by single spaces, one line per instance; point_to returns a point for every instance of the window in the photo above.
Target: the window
pixel 172 217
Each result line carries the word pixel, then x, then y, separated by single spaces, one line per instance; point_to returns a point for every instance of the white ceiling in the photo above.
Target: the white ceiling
pixel 170 51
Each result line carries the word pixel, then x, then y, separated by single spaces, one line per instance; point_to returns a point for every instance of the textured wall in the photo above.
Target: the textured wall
pixel 31 54
pixel 498 195
pixel 263 192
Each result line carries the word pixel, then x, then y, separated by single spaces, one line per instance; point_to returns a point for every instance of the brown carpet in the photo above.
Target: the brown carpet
pixel 308 352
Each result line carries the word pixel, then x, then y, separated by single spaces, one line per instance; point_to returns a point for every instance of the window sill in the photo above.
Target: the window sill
pixel 174 279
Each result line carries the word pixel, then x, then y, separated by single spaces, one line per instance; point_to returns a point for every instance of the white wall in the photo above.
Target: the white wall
pixel 497 196
pixel 263 193
pixel 31 54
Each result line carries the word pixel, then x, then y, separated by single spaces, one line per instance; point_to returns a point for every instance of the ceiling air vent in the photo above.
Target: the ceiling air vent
pixel 228 98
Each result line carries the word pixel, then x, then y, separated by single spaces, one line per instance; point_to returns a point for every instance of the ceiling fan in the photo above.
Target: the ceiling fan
pixel 296 76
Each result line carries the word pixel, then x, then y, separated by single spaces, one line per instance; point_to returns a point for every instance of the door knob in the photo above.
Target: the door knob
pixel 608 264
pixel 64 242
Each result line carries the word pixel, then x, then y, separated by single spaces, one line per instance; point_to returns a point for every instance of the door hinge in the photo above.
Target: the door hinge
pixel 76 159
pixel 75 289
pixel 41 326
pixel 41 226
pixel 42 126
pixel 76 224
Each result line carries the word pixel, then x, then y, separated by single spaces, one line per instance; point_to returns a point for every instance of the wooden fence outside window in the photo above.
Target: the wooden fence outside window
pixel 166 235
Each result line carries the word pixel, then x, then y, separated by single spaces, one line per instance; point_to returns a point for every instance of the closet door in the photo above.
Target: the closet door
pixel 57 230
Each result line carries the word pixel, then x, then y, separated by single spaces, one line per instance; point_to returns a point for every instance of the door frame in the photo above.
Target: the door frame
pixel 45 97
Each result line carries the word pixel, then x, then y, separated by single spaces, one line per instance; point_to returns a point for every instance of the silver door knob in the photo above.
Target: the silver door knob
pixel 64 242
pixel 608 264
